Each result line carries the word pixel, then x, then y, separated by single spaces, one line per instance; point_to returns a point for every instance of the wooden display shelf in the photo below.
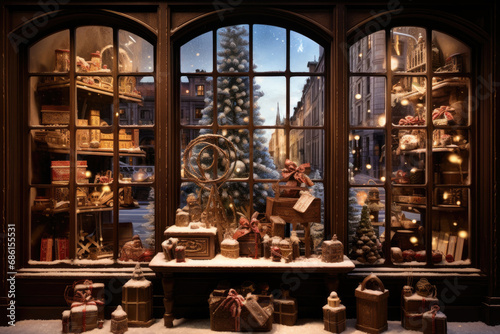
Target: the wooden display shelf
pixel 97 152
pixel 90 88
pixel 449 148
pixel 434 207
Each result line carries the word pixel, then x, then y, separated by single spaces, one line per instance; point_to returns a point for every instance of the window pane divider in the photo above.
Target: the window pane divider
pixel 73 237
pixel 388 152
pixel 429 162
pixel 116 144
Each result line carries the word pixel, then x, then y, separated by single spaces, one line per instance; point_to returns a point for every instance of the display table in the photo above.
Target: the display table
pixel 171 270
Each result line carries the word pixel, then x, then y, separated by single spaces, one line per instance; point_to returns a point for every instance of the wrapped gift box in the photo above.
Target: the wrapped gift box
pixel 334 318
pixel 83 317
pixel 247 245
pixel 418 304
pixel 60 171
pixel 256 313
pixel 285 310
pixel 434 322
pixel 97 292
pixel 55 115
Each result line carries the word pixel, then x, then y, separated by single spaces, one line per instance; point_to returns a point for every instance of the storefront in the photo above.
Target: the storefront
pixel 112 133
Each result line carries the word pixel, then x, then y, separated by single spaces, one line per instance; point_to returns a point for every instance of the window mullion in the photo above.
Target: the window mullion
pixel 430 130
pixel 72 151
pixel 388 151
pixel 116 144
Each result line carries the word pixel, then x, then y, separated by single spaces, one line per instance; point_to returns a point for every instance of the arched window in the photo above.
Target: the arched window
pixel 91 118
pixel 269 102
pixel 410 159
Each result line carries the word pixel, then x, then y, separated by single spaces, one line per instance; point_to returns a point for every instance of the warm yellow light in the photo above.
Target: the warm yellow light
pixel 420 105
pixel 360 55
pixel 414 221
pixel 357 96
pixel 368 166
pixel 368 111
pixel 231 205
pixel 463 234
pixel 457 138
pixel 382 179
pixel 106 189
pixel 361 197
pixel 458 203
pixel 413 170
pixel 117 114
pixel 224 133
pixel 403 146
pixel 187 91
pixel 238 170
pixel 405 102
pixel 381 120
pixel 372 217
pixel 414 240
pixel 445 195
pixel 353 151
pixel 356 137
pixel 435 143
pixel 197 54
pixel 88 174
pixel 455 224
pixel 455 159
pixel 394 63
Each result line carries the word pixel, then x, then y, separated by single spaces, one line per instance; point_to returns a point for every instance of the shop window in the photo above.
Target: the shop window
pixel 200 90
pixel 268 105
pixel 90 175
pixel 409 194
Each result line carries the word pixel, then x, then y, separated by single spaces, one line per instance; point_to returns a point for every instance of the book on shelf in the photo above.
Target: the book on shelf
pixel 451 245
pixel 459 248
pixel 62 248
pixel 46 249
pixel 443 241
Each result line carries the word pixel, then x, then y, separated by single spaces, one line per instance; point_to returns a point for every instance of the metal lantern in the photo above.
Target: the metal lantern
pixel 137 300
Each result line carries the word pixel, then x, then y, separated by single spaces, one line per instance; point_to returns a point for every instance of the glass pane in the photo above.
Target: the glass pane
pixel 269 48
pixel 95 169
pixel 95 101
pixel 305 54
pixel 450 227
pixel 138 54
pixel 232 49
pixel 136 228
pixel 196 100
pixel 408 156
pixel 449 54
pixel 451 158
pixel 367 156
pixel 307 101
pixel 137 103
pixel 276 141
pixel 366 229
pixel 270 99
pixel 139 166
pixel 197 54
pixel 409 53
pixel 49 101
pixel 407 226
pixel 408 98
pixel 368 54
pixel 367 101
pixel 95 233
pixel 308 146
pixel 49 224
pixel 94 50
pixel 450 100
pixel 261 191
pixel 188 188
pixel 51 54
pixel 241 140
pixel 235 195
pixel 233 101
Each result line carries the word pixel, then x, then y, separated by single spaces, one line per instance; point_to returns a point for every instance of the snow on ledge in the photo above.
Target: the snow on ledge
pixel 220 261
pixel 187 229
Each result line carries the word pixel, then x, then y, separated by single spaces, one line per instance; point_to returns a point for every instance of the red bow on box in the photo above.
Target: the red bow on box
pixel 234 302
pixel 298 172
pixel 247 227
pixel 84 299
pixel 443 111
pixel 410 120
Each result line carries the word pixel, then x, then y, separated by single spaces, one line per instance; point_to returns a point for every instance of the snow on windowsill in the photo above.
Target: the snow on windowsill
pixel 187 229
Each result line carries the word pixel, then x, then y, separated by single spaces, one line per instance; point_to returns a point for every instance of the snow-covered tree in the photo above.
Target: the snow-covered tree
pixel 233 108
pixel 366 245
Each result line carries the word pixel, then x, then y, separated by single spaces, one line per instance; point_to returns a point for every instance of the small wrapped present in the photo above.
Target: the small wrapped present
pixel 96 290
pixel 83 316
pixel 119 321
pixel 332 250
pixel 334 318
pixel 285 309
pixel 230 248
pixel 434 321
pixel 249 238
pixel 294 176
pixel 229 311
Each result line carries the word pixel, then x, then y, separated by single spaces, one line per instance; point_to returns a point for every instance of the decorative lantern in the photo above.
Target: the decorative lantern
pixel 137 300
pixel 332 250
pixel 371 305
pixel 374 204
pixel 334 314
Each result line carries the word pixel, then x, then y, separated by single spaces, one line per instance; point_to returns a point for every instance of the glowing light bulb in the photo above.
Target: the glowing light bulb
pixel 455 224
pixel 353 151
pixel 414 240
pixel 403 146
pixel 455 159
pixel 187 91
pixel 405 102
pixel 197 54
pixel 356 137
pixel 368 166
pixel 224 133
pixel 414 221
pixel 445 195
pixel 394 63
pixel 360 55
pixel 88 174
pixel 382 179
pixel 368 111
pixel 381 120
pixel 106 189
pixel 457 138
pixel 238 170
pixel 231 205
pixel 463 234
pixel 458 203
pixel 357 96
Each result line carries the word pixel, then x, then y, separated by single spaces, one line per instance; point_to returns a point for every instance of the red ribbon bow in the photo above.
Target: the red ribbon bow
pixel 86 300
pixel 247 227
pixel 443 111
pixel 434 310
pixel 410 120
pixel 298 172
pixel 234 302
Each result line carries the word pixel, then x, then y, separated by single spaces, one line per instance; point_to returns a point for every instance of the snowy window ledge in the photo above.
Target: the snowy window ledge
pixel 79 273
pixel 405 272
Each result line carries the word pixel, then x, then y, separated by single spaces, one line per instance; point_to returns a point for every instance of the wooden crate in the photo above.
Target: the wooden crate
pixel 334 318
pixel 371 306
pixel 283 207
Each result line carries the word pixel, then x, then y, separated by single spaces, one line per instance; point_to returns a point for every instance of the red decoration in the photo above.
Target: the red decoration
pixel 297 172
pixel 443 111
pixel 247 227
pixel 409 255
pixel 437 257
pixel 234 302
pixel 420 256
pixel 450 258
pixel 410 120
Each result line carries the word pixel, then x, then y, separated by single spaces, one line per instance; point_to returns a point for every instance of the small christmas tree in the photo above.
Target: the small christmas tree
pixel 138 274
pixel 366 246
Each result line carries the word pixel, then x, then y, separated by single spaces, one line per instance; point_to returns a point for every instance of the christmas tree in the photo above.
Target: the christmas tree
pixel 233 108
pixel 366 246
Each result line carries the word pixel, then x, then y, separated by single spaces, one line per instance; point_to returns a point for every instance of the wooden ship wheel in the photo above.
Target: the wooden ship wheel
pixel 209 160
